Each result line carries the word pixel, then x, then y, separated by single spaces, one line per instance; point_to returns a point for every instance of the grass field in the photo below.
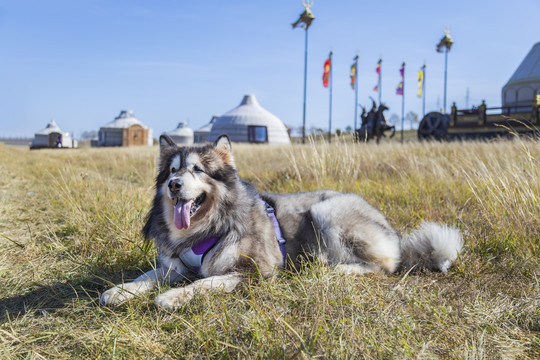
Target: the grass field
pixel 70 222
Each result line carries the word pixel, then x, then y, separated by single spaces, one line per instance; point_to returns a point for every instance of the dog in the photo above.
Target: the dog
pixel 214 229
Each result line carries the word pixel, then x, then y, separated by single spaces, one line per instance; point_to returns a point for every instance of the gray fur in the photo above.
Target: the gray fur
pixel 341 229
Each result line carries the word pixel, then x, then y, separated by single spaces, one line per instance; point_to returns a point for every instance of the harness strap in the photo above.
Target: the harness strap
pixel 193 257
pixel 277 230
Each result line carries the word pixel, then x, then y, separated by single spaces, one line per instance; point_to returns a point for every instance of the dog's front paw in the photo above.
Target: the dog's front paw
pixel 117 295
pixel 174 299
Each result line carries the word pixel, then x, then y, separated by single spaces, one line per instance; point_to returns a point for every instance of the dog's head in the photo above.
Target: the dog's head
pixel 191 180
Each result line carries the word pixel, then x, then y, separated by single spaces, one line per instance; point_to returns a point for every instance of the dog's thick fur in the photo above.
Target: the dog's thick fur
pixel 342 229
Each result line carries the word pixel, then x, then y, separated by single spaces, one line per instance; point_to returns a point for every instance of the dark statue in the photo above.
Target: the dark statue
pixel 374 124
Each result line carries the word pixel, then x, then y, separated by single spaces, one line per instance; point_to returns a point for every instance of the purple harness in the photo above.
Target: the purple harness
pixel 192 258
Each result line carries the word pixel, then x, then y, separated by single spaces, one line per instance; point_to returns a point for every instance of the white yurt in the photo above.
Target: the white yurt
pixel 52 137
pixel 202 133
pixel 125 130
pixel 524 84
pixel 249 122
pixel 182 135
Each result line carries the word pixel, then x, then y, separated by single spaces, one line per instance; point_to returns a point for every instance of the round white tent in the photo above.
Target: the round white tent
pixel 52 137
pixel 524 85
pixel 125 130
pixel 182 134
pixel 249 122
pixel 202 133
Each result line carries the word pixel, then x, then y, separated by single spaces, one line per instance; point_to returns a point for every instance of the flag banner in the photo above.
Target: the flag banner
pixel 326 73
pixel 378 71
pixel 420 82
pixel 399 89
pixel 353 75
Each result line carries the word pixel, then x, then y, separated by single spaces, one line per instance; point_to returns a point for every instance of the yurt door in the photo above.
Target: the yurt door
pixel 55 140
pixel 136 135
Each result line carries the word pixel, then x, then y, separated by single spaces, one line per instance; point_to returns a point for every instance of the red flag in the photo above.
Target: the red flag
pixel 378 71
pixel 326 73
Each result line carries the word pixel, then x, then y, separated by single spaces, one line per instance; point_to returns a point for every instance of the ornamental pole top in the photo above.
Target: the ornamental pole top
pixel 307 3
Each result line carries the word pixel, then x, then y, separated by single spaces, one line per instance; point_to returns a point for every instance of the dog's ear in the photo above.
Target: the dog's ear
pixel 165 142
pixel 224 149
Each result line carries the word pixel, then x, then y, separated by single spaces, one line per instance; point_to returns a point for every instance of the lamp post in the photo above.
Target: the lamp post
pixel 304 21
pixel 445 42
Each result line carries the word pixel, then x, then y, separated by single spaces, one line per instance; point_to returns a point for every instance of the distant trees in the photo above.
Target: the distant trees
pixel 394 120
pixel 89 135
pixel 412 118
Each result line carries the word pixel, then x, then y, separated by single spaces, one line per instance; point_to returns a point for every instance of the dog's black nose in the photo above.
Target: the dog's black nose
pixel 175 185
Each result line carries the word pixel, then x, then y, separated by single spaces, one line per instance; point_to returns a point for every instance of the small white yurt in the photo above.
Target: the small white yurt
pixel 52 137
pixel 524 85
pixel 182 135
pixel 202 133
pixel 125 130
pixel 249 122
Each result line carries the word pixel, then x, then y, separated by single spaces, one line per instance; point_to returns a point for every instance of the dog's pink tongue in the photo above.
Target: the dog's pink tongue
pixel 181 214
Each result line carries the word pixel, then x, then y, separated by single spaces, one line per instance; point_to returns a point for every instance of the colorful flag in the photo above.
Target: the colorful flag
pixel 421 81
pixel 326 73
pixel 353 72
pixel 399 90
pixel 378 71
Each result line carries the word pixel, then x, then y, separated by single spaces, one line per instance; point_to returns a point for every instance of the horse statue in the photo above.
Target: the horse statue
pixel 374 124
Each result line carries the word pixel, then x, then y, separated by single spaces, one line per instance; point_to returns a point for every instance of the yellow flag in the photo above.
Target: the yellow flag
pixel 420 82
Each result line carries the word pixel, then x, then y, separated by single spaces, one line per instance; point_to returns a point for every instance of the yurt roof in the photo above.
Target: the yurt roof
pixel 249 111
pixel 181 130
pixel 208 127
pixel 124 120
pixel 529 69
pixel 51 127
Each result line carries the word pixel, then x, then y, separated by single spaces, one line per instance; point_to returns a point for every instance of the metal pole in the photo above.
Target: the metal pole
pixel 330 100
pixel 424 93
pixel 305 87
pixel 445 75
pixel 380 83
pixel 403 104
pixel 355 93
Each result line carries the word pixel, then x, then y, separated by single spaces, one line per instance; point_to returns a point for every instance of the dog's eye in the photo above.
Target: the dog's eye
pixel 196 168
pixel 173 169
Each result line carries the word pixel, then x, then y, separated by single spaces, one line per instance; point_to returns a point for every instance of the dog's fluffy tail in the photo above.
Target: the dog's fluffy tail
pixel 431 246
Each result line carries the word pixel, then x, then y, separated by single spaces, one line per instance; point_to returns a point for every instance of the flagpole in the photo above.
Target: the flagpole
pixel 305 87
pixel 447 42
pixel 355 92
pixel 330 102
pixel 379 86
pixel 445 76
pixel 305 19
pixel 403 103
pixel 424 91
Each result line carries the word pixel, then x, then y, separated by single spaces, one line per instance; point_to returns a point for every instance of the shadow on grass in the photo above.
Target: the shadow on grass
pixel 43 299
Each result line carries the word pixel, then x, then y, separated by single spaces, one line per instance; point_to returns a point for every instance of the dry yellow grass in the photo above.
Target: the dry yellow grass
pixel 70 222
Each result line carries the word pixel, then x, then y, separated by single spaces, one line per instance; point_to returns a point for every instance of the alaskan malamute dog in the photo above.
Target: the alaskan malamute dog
pixel 214 229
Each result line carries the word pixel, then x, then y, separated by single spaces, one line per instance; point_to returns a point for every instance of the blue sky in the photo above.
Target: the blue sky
pixel 81 62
